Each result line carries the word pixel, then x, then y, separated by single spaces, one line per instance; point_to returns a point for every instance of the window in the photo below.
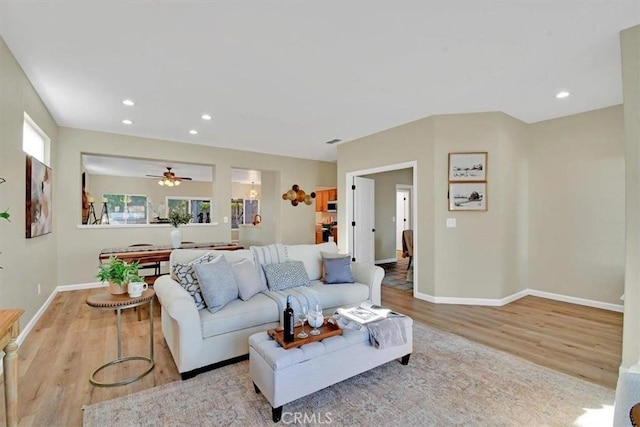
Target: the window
pixel 34 141
pixel 199 208
pixel 243 212
pixel 126 208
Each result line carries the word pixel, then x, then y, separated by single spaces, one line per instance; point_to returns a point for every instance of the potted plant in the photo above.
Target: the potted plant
pixel 177 218
pixel 118 273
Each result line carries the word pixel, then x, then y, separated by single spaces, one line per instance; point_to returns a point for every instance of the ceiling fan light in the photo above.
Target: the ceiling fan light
pixel 176 182
pixel 161 182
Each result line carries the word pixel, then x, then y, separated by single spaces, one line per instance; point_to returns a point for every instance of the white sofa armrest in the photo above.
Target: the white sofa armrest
pixel 178 304
pixel 370 275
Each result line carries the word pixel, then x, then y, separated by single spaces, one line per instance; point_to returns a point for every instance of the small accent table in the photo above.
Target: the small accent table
pixel 107 301
pixel 8 333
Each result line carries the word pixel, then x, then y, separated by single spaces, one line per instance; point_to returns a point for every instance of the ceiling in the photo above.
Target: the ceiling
pixel 284 77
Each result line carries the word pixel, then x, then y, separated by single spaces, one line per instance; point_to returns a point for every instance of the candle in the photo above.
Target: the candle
pixel 104 200
pixel 90 199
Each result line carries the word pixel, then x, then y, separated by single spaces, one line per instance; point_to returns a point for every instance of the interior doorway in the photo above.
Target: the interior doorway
pixel 403 212
pixel 385 213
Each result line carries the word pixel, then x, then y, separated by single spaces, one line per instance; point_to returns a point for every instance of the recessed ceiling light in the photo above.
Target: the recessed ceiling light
pixel 127 122
pixel 562 94
pixel 128 103
pixel 206 117
pixel 193 132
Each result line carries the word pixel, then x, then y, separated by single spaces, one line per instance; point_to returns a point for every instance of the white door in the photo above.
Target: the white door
pixel 364 218
pixel 403 214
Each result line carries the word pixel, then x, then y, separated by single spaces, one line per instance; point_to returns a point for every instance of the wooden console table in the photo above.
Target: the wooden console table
pixel 148 254
pixel 9 329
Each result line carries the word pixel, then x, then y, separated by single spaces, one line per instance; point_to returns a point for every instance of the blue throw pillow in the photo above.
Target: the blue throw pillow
pixel 337 270
pixel 217 283
pixel 286 275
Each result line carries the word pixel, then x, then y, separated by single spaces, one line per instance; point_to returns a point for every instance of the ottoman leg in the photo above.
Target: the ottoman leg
pixel 276 414
pixel 255 387
pixel 405 359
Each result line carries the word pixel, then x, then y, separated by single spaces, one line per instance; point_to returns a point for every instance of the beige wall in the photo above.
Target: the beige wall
pixel 410 142
pixel 26 262
pixel 630 41
pixel 81 246
pixel 577 205
pixel 385 210
pixel 540 230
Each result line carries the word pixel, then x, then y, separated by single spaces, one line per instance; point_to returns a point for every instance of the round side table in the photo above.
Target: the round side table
pixel 107 301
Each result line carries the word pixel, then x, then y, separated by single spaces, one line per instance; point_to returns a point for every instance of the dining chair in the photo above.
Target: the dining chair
pixel 407 246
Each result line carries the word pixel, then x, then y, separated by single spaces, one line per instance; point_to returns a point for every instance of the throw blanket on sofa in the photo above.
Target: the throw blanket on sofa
pixel 300 295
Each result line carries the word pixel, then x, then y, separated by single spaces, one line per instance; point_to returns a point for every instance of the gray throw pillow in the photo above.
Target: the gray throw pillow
pixel 247 278
pixel 186 276
pixel 337 270
pixel 217 283
pixel 286 275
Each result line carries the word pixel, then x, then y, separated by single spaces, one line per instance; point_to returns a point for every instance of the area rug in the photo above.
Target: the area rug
pixel 449 381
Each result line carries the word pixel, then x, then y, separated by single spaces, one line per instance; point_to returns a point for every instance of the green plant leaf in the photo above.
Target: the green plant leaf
pixel 5 215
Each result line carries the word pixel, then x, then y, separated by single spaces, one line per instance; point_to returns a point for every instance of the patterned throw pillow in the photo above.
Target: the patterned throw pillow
pixel 286 275
pixel 217 283
pixel 186 276
pixel 269 254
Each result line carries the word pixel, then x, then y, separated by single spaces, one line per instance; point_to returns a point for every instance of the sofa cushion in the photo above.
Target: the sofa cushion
pixel 332 297
pixel 249 283
pixel 286 275
pixel 238 315
pixel 270 254
pixel 310 255
pixel 337 270
pixel 331 255
pixel 186 276
pixel 217 283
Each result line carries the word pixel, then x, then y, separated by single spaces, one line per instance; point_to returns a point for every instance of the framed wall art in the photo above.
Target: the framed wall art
pixel 467 196
pixel 38 198
pixel 468 166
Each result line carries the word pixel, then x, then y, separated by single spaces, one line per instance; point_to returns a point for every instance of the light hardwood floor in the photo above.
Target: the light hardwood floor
pixel 72 339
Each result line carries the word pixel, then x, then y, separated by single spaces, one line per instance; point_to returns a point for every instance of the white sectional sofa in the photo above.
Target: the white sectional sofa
pixel 200 340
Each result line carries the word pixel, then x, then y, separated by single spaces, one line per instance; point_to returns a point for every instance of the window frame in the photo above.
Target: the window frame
pixel 190 200
pixel 45 140
pixel 126 196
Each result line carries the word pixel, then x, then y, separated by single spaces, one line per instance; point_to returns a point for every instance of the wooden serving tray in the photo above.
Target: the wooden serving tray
pixel 328 329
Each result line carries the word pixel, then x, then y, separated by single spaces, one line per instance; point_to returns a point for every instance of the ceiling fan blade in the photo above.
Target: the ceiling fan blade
pixel 155 176
pixel 184 178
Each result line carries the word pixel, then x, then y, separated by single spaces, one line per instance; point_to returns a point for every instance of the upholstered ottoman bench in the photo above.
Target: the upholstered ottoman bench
pixel 286 375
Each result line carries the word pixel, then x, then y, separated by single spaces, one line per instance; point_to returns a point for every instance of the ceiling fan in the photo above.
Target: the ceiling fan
pixel 169 178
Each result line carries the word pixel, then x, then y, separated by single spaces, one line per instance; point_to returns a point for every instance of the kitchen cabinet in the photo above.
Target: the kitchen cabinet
pixel 323 196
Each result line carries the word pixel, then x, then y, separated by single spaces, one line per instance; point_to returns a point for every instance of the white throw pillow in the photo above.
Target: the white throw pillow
pixel 186 276
pixel 247 278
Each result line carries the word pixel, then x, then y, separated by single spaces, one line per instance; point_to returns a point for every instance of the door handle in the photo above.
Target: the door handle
pixel 373 230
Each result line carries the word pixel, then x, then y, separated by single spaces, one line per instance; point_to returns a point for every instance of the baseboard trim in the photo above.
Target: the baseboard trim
pixel 64 288
pixel 494 302
pixel 385 261
pixel 575 300
pixel 79 286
